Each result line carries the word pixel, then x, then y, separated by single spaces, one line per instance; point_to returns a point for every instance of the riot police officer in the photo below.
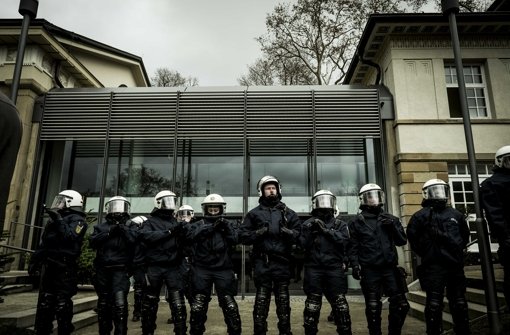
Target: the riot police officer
pixel 438 234
pixel 272 228
pixel 186 215
pixel 163 236
pixel 495 192
pixel 56 257
pixel 325 240
pixel 114 243
pixel 138 266
pixel 373 256
pixel 213 238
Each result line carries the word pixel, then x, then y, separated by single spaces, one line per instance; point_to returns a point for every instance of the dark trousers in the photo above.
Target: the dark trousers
pixel 58 285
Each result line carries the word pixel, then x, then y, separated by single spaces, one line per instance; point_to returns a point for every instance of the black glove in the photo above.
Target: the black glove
pixel 261 231
pixel 386 220
pixel 34 270
pixel 53 214
pixel 356 272
pixel 319 225
pixel 286 231
pixel 177 227
pixel 221 224
pixel 114 228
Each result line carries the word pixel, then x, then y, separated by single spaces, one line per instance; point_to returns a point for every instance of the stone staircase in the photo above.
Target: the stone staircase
pixel 20 301
pixel 475 296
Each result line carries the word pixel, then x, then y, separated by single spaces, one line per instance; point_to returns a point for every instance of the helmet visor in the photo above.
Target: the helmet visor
pixel 324 201
pixel 212 210
pixel 118 206
pixel 167 202
pixel 436 192
pixel 372 198
pixel 60 202
pixel 505 162
pixel 185 214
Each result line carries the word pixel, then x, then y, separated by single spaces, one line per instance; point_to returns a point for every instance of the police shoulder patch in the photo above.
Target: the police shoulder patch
pixel 79 228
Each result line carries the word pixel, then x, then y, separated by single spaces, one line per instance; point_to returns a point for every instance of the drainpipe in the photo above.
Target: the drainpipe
pixel 27 8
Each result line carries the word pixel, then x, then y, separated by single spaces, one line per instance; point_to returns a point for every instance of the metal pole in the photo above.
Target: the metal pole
pixel 27 8
pixel 450 8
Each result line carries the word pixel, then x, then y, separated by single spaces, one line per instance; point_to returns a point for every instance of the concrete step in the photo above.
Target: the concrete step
pixel 478 296
pixel 418 311
pixel 80 320
pixel 475 310
pixel 26 318
pixel 14 277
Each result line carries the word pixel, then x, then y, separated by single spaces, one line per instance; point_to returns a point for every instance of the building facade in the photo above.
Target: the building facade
pixel 54 58
pixel 426 138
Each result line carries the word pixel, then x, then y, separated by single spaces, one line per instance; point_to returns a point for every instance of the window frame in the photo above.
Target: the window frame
pixel 469 86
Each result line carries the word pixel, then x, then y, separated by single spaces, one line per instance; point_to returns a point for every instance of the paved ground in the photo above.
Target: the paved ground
pixel 215 324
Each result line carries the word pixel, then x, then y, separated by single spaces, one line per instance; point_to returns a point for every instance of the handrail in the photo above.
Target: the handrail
pixel 16 248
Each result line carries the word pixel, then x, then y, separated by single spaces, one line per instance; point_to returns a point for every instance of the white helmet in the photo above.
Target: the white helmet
pixel 435 189
pixel 185 213
pixel 165 200
pixel 139 220
pixel 214 200
pixel 67 199
pixel 324 199
pixel 268 180
pixel 502 157
pixel 371 195
pixel 117 204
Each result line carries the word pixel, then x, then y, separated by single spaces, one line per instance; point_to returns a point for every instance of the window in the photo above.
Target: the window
pixel 475 91
pixel 461 191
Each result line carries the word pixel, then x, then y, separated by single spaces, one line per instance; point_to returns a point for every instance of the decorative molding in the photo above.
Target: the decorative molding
pixel 427 42
pixel 506 63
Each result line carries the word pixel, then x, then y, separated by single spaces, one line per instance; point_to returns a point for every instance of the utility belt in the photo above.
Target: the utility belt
pixel 62 262
pixel 266 257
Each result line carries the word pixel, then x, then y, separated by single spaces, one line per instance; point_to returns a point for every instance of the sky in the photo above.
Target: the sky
pixel 212 40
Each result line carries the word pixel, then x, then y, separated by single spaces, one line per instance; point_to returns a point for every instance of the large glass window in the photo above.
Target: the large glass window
pixel 343 176
pixel 475 90
pixel 291 171
pixel 219 174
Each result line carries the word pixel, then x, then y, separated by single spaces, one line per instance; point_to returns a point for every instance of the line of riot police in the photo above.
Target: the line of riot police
pixel 188 256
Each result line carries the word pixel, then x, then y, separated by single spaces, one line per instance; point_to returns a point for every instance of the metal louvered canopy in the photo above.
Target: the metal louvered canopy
pixel 338 117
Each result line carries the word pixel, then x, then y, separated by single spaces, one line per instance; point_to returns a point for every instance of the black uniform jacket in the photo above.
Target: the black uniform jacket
pixel 438 235
pixel 325 249
pixel 274 242
pixel 162 236
pixel 211 245
pixel 62 240
pixel 114 244
pixel 373 239
pixel 495 192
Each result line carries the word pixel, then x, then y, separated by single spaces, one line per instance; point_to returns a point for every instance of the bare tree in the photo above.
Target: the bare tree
pixel 164 77
pixel 266 72
pixel 318 37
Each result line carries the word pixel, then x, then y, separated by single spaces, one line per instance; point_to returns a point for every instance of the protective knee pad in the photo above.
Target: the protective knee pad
pixel 178 308
pixel 149 313
pixel 373 307
pixel 399 307
pixel 64 313
pixel 198 314
pixel 45 313
pixel 231 314
pixel 341 314
pixel 261 309
pixel 460 315
pixel 311 313
pixel 434 313
pixel 282 300
pixel 120 312
pixel 104 313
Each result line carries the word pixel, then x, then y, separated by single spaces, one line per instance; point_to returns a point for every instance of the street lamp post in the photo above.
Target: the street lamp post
pixel 27 8
pixel 451 8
